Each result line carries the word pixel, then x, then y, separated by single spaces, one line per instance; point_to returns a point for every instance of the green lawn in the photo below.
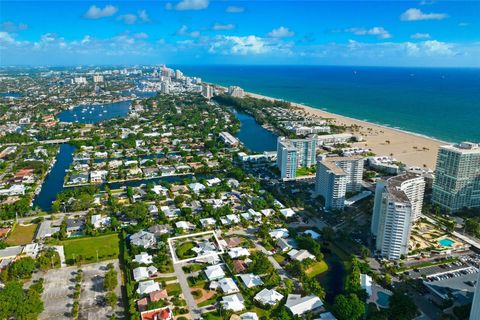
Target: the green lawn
pixel 85 249
pixel 279 257
pixel 173 289
pixel 184 251
pixel 214 315
pixel 210 301
pixel 21 235
pixel 316 269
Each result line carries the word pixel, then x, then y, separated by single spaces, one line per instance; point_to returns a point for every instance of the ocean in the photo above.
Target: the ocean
pixel 437 102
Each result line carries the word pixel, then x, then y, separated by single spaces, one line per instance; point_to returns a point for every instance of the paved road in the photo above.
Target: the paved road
pixel 58 216
pixel 195 312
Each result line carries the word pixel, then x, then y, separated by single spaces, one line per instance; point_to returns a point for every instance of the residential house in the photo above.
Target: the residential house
pixel 283 245
pixel 153 210
pixel 299 305
pixel 147 287
pixel 214 272
pixel 143 258
pixel 160 229
pixel 233 302
pixel 300 255
pixel 287 212
pixel 238 252
pixel 268 297
pixel 143 239
pixel 249 316
pixel 196 187
pixel 250 280
pixel 279 233
pixel 366 283
pixel 227 285
pixel 98 221
pixel 157 314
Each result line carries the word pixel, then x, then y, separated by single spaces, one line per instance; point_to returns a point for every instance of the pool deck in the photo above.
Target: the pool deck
pixel 374 297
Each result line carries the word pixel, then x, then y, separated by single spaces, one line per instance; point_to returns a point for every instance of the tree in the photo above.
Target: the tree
pixel 112 299
pixel 402 306
pixel 21 269
pixel 348 307
pixel 110 282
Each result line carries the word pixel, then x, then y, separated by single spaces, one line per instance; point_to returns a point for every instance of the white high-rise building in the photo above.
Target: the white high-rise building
pixel 398 203
pixel 164 87
pixel 207 91
pixel 295 153
pixel 97 78
pixel 80 80
pixel 178 75
pixel 236 92
pixel 336 176
pixel 457 177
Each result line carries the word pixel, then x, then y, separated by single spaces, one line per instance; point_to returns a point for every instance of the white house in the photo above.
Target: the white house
pixel 268 297
pixel 267 212
pixel 143 239
pixel 140 273
pixel 228 286
pixel 196 187
pixel 287 212
pixel 212 182
pixel 207 222
pixel 300 255
pixel 366 283
pixel 230 219
pixel 98 221
pixel 279 233
pixel 238 252
pixel 233 302
pixel 249 316
pixel 214 272
pixel 250 280
pixel 160 190
pixel 148 286
pixel 185 225
pixel 299 305
pixel 143 258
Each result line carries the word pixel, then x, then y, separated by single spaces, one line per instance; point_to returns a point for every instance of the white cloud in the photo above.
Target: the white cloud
pixel 95 12
pixel 419 35
pixel 128 18
pixel 188 5
pixel 434 47
pixel 234 9
pixel 463 24
pixel 380 32
pixel 281 32
pixel 140 35
pixel 414 14
pixel 239 45
pixel 218 26
pixel 184 32
pixel 6 38
pixel 143 15
pixel 10 26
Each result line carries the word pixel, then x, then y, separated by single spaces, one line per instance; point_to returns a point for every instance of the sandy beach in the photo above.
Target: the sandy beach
pixel 411 149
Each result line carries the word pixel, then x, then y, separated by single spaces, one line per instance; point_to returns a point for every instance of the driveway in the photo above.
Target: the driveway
pixel 195 312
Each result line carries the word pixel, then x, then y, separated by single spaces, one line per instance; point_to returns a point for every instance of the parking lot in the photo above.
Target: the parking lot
pixel 59 285
pixel 58 291
pixel 92 299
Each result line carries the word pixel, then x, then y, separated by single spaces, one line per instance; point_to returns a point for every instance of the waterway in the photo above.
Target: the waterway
pixel 95 113
pixel 253 136
pixel 332 280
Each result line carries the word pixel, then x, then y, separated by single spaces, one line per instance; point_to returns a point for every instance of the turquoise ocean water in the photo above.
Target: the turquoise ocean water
pixel 439 103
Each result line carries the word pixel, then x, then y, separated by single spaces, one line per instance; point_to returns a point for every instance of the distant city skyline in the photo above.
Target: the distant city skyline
pixel 370 33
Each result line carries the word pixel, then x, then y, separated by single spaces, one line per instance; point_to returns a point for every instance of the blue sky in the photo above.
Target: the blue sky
pixel 386 33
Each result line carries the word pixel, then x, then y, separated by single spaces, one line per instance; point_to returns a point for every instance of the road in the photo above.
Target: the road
pixel 195 312
pixel 59 215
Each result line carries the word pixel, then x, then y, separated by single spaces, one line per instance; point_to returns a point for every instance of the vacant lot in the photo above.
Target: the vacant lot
pixel 316 268
pixel 85 250
pixel 22 234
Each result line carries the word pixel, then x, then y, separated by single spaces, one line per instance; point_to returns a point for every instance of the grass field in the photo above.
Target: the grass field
pixel 21 235
pixel 184 251
pixel 316 269
pixel 85 250
pixel 173 289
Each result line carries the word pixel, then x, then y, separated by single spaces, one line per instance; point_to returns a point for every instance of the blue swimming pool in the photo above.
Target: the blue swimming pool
pixel 383 299
pixel 446 242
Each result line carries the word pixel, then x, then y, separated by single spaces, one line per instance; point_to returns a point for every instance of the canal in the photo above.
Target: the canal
pixel 253 136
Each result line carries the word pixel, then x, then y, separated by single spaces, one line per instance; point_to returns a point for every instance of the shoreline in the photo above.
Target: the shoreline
pixel 413 149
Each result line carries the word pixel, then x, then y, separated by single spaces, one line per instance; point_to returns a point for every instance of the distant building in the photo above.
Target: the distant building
pixel 228 139
pixel 164 87
pixel 398 203
pixel 80 80
pixel 457 177
pixel 207 91
pixel 236 92
pixel 97 78
pixel 293 154
pixel 335 177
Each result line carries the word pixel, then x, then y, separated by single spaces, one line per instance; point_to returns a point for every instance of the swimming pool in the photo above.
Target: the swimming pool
pixel 383 299
pixel 446 242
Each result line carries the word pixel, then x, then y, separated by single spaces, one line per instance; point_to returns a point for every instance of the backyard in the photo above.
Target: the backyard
pixel 88 250
pixel 21 235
